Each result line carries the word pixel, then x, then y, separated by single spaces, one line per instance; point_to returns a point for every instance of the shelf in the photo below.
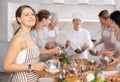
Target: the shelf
pixel 87 20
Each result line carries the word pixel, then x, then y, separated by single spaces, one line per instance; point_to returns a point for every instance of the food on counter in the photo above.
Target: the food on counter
pixel 73 79
pixel 97 80
pixel 65 59
pixel 113 77
pixel 98 76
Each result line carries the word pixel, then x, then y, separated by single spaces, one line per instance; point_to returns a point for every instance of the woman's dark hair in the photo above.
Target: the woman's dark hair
pixel 19 12
pixel 20 9
pixel 104 14
pixel 43 14
pixel 115 16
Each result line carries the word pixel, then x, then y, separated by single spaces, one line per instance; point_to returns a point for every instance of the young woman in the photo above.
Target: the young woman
pixel 40 37
pixel 115 24
pixel 38 33
pixel 22 56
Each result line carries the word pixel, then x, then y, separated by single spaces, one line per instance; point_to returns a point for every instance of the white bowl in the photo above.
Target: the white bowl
pixel 53 70
pixel 46 80
pixel 53 66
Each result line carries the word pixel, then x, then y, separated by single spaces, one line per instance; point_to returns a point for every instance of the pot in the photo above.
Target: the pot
pixel 93 52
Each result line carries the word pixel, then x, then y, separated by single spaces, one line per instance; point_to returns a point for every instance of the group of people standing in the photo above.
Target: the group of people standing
pixel 28 45
pixel 110 25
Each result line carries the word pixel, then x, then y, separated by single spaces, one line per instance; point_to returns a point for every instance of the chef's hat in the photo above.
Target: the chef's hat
pixel 79 15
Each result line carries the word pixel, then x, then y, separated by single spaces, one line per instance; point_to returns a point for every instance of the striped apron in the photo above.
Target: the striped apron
pixel 32 56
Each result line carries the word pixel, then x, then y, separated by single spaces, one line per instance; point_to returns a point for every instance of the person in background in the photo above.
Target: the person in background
pixel 115 24
pixel 22 57
pixel 40 36
pixel 78 41
pixel 107 34
pixel 52 30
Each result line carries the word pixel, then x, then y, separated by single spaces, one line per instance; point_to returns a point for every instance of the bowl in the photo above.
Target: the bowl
pixel 105 59
pixel 92 62
pixel 61 76
pixel 93 52
pixel 46 79
pixel 53 66
pixel 79 50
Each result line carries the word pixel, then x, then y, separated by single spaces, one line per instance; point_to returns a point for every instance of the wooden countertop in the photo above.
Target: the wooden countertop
pixel 46 74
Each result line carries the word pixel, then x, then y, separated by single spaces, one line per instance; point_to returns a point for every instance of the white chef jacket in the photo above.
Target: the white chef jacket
pixel 78 39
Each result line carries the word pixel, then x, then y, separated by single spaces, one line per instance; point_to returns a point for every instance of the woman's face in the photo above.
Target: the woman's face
pixel 103 22
pixel 27 18
pixel 112 23
pixel 46 21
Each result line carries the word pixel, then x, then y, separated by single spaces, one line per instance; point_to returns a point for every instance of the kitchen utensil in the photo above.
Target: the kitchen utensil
pixel 93 52
pixel 53 66
pixel 105 59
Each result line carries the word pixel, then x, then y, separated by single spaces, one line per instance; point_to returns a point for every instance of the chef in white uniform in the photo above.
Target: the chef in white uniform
pixel 78 38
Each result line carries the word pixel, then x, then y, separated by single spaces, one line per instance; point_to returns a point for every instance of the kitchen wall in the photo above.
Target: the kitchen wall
pixel 65 14
pixel 3 31
pixel 8 8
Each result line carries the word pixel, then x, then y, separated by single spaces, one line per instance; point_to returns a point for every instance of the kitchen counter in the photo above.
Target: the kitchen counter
pixel 54 76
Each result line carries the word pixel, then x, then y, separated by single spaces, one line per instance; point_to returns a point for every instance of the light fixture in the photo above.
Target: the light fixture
pixel 58 1
pixel 82 1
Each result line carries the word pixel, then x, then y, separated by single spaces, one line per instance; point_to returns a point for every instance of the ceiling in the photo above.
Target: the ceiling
pixel 101 2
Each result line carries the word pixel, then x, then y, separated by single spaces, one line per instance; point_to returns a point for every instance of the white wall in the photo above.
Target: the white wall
pixel 64 12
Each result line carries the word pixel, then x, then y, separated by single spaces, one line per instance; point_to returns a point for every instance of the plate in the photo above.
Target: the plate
pixel 46 80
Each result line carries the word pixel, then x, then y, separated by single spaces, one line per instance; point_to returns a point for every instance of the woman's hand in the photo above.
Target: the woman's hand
pixel 38 66
pixel 106 52
pixel 102 52
pixel 115 60
pixel 110 53
pixel 56 50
